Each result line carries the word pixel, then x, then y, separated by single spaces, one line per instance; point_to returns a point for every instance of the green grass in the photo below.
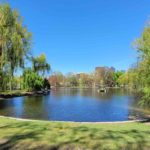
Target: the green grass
pixel 13 92
pixel 15 134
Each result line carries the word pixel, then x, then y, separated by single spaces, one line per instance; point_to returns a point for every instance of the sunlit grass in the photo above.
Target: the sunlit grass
pixel 60 135
pixel 13 92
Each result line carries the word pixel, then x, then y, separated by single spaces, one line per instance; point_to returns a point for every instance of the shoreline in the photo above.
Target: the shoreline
pixel 19 93
pixel 12 94
pixel 109 122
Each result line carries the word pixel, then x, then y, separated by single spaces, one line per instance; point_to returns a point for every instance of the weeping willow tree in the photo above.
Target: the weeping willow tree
pixel 33 78
pixel 15 41
pixel 40 64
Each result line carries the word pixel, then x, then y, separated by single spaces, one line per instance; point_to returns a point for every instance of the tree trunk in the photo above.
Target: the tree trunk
pixel 10 86
pixel 11 79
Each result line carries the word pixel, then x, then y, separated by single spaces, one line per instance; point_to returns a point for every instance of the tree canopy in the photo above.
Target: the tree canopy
pixel 15 40
pixel 143 69
pixel 40 64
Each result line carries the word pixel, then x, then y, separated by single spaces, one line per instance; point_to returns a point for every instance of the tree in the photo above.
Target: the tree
pixel 116 76
pixel 53 80
pixel 123 80
pixel 15 40
pixel 31 80
pixel 72 80
pixel 60 78
pixel 104 76
pixel 142 45
pixel 46 84
pixel 85 80
pixel 4 78
pixel 40 64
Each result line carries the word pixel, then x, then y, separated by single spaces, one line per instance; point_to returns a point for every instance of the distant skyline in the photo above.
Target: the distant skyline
pixel 79 35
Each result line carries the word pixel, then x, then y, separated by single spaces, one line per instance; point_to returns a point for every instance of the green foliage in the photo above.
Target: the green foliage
pixel 4 80
pixel 40 64
pixel 72 80
pixel 15 38
pixel 142 73
pixel 123 80
pixel 32 81
pixel 145 100
pixel 46 84
pixel 116 76
pixel 15 41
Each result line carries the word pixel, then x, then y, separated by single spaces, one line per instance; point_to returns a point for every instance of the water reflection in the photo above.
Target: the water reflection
pixel 73 105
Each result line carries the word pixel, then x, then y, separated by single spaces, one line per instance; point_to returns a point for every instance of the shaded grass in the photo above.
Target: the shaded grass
pixel 16 134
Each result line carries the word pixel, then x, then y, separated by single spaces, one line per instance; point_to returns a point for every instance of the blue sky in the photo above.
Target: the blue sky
pixel 78 35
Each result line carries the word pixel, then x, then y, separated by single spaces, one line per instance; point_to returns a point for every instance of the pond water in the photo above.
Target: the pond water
pixel 81 105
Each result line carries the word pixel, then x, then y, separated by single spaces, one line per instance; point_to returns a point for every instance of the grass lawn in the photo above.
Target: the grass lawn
pixel 16 134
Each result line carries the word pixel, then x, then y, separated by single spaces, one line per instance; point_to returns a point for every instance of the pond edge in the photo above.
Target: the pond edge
pixel 113 122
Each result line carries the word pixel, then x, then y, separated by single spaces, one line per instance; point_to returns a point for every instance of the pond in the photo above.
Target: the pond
pixel 80 105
